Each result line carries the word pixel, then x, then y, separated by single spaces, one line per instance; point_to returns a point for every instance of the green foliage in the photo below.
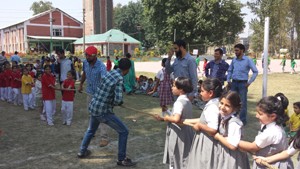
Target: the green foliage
pixel 40 6
pixel 284 19
pixel 127 18
pixel 202 22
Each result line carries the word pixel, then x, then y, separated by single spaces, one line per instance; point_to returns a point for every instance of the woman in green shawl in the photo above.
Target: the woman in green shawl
pixel 129 79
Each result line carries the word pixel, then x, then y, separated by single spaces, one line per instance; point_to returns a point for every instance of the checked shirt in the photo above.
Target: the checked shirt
pixel 108 94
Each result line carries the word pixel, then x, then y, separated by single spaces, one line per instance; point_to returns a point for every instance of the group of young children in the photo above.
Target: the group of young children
pixel 34 88
pixel 215 140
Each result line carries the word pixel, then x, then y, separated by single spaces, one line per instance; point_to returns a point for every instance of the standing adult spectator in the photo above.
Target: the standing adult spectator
pixel 130 79
pixel 217 68
pixel 183 66
pixel 15 57
pixel 93 72
pixel 238 74
pixel 63 65
pixel 2 58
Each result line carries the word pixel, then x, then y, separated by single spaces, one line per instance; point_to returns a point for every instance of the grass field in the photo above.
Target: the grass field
pixel 28 143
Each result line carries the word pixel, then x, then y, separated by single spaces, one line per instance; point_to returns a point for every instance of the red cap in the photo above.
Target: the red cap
pixel 91 50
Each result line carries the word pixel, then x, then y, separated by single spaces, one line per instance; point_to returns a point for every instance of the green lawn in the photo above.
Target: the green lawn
pixel 28 142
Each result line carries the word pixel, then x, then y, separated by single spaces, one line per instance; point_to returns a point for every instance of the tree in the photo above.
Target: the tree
pixel 284 20
pixel 127 18
pixel 40 6
pixel 201 22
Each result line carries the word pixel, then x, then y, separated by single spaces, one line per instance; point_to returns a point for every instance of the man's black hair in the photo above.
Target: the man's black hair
pixel 124 64
pixel 180 43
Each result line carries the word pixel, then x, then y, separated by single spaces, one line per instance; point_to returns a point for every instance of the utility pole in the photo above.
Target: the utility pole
pixel 266 49
pixel 51 33
pixel 83 20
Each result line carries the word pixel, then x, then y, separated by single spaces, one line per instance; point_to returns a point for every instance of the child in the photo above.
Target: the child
pixel 27 83
pixel 286 154
pixel 48 94
pixel 7 74
pixel 229 134
pixel 16 86
pixel 294 122
pixel 202 150
pixel 165 91
pixel 271 137
pixel 68 88
pixel 293 64
pixel 38 96
pixel 282 63
pixel 2 84
pixel 116 62
pixel 150 85
pixel 32 73
pixel 78 69
pixel 108 64
pixel 178 138
pixel 204 65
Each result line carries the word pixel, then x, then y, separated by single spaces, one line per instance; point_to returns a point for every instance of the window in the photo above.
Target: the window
pixel 57 32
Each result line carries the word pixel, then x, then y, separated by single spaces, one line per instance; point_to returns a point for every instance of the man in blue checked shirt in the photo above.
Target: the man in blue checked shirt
pixel 108 95
pixel 93 72
pixel 237 77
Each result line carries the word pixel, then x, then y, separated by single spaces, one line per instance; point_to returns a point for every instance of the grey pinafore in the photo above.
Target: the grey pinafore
pixel 179 139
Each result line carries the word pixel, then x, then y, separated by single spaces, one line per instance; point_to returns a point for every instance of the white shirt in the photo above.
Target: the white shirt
pixel 65 66
pixel 291 150
pixel 178 107
pixel 211 113
pixel 38 88
pixel 160 75
pixel 271 135
pixel 234 132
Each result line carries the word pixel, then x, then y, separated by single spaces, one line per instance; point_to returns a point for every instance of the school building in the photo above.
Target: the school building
pixel 37 33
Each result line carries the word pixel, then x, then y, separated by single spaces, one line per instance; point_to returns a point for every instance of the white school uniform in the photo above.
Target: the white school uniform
pixel 2 93
pixel 272 140
pixel 50 106
pixel 16 96
pixel 26 101
pixel 67 111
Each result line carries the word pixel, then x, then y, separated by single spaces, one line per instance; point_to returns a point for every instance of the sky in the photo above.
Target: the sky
pixel 13 11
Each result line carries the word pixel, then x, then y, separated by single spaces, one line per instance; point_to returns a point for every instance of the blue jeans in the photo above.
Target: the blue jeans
pixel 242 90
pixel 112 121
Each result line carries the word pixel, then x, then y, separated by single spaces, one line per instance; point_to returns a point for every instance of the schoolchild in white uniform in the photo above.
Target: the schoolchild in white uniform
pixel 286 154
pixel 38 96
pixel 229 134
pixel 68 87
pixel 178 137
pixel 271 138
pixel 203 146
pixel 16 84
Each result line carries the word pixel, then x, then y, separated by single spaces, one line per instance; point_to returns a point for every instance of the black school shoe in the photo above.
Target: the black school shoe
pixel 84 155
pixel 126 163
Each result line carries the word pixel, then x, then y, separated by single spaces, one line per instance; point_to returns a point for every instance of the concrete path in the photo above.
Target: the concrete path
pixel 275 66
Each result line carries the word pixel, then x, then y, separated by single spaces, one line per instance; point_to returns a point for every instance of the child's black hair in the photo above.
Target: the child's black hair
pixel 47 66
pixel 73 73
pixel 284 100
pixel 163 62
pixel 272 104
pixel 213 84
pixel 296 140
pixel 297 104
pixel 234 99
pixel 184 84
